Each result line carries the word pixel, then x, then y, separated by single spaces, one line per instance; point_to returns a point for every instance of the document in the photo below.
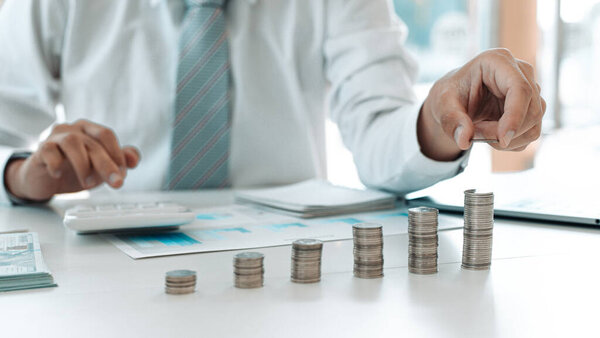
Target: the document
pixel 239 227
pixel 317 198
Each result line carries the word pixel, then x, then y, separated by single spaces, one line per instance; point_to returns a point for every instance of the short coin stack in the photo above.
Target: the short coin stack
pixel 422 240
pixel 179 282
pixel 478 230
pixel 306 260
pixel 368 250
pixel 248 270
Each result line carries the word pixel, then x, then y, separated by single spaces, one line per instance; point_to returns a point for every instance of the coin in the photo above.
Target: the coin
pixel 484 140
pixel 248 270
pixel 178 282
pixel 422 240
pixel 178 274
pixel 368 250
pixel 478 230
pixel 179 290
pixel 306 261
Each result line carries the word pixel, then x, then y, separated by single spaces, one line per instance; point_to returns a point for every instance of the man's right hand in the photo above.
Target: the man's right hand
pixel 75 157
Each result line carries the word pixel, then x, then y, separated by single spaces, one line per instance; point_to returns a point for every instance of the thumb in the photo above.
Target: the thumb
pixel 455 122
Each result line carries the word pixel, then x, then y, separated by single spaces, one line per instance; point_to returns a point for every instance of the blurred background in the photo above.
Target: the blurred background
pixel 560 38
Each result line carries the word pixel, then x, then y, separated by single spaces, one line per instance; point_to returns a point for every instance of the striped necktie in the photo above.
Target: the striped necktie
pixel 200 145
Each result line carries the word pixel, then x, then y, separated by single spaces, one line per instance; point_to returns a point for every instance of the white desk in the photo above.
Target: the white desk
pixel 543 282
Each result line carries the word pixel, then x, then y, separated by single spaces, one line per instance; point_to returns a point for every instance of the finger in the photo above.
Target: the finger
pixel 52 158
pixel 524 140
pixel 505 80
pixel 132 156
pixel 103 164
pixel 455 122
pixel 486 130
pixel 531 118
pixel 97 179
pixel 516 106
pixel 514 150
pixel 535 110
pixel 74 150
pixel 107 139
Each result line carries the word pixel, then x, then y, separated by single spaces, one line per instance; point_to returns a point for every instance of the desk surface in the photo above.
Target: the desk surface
pixel 543 282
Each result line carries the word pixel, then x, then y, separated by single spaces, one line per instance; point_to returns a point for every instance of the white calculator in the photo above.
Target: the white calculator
pixel 126 216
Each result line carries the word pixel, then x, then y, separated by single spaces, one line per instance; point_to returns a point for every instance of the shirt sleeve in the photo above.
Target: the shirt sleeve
pixel 31 37
pixel 372 100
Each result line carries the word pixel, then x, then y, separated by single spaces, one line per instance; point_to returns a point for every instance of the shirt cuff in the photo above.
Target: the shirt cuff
pixel 5 155
pixel 423 166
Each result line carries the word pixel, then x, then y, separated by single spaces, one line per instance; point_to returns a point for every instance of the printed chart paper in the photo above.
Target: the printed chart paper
pixel 239 227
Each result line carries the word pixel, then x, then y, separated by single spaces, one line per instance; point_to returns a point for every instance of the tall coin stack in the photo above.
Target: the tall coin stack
pixel 422 240
pixel 248 270
pixel 368 250
pixel 306 260
pixel 478 230
pixel 179 282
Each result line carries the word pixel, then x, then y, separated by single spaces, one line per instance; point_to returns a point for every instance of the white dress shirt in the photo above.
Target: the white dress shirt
pixel 114 62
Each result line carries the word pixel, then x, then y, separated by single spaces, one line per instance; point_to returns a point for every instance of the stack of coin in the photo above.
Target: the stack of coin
pixel 248 270
pixel 478 230
pixel 306 260
pixel 368 250
pixel 179 282
pixel 422 240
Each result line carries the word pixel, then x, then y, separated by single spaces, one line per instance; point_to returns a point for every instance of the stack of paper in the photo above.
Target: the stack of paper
pixel 21 263
pixel 317 198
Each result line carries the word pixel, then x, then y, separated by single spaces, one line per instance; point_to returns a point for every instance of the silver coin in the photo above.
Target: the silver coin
pixel 306 261
pixel 249 256
pixel 180 273
pixel 422 240
pixel 307 243
pixel 478 230
pixel 180 291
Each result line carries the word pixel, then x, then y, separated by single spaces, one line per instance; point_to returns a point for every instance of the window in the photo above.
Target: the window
pixel 569 50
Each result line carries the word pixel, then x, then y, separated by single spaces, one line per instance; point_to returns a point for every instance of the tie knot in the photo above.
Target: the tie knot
pixel 207 3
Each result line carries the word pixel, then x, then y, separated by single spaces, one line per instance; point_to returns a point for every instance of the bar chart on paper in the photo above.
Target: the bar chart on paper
pixel 239 227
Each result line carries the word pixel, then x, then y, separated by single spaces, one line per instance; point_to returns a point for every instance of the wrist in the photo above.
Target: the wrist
pixel 12 180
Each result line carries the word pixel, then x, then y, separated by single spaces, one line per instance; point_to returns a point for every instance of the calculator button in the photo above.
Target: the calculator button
pixel 105 207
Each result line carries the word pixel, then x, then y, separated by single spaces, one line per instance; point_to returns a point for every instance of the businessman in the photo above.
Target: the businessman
pixel 235 93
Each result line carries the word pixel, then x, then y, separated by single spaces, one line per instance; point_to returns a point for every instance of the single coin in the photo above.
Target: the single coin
pixel 181 273
pixel 484 140
pixel 360 226
pixel 249 255
pixel 179 291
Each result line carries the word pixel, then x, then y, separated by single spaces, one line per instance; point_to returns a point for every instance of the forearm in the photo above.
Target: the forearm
pixel 388 155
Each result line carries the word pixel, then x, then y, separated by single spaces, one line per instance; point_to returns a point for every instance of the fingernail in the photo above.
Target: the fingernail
pixel 508 137
pixel 457 134
pixel 123 170
pixel 57 174
pixel 114 178
pixel 90 181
